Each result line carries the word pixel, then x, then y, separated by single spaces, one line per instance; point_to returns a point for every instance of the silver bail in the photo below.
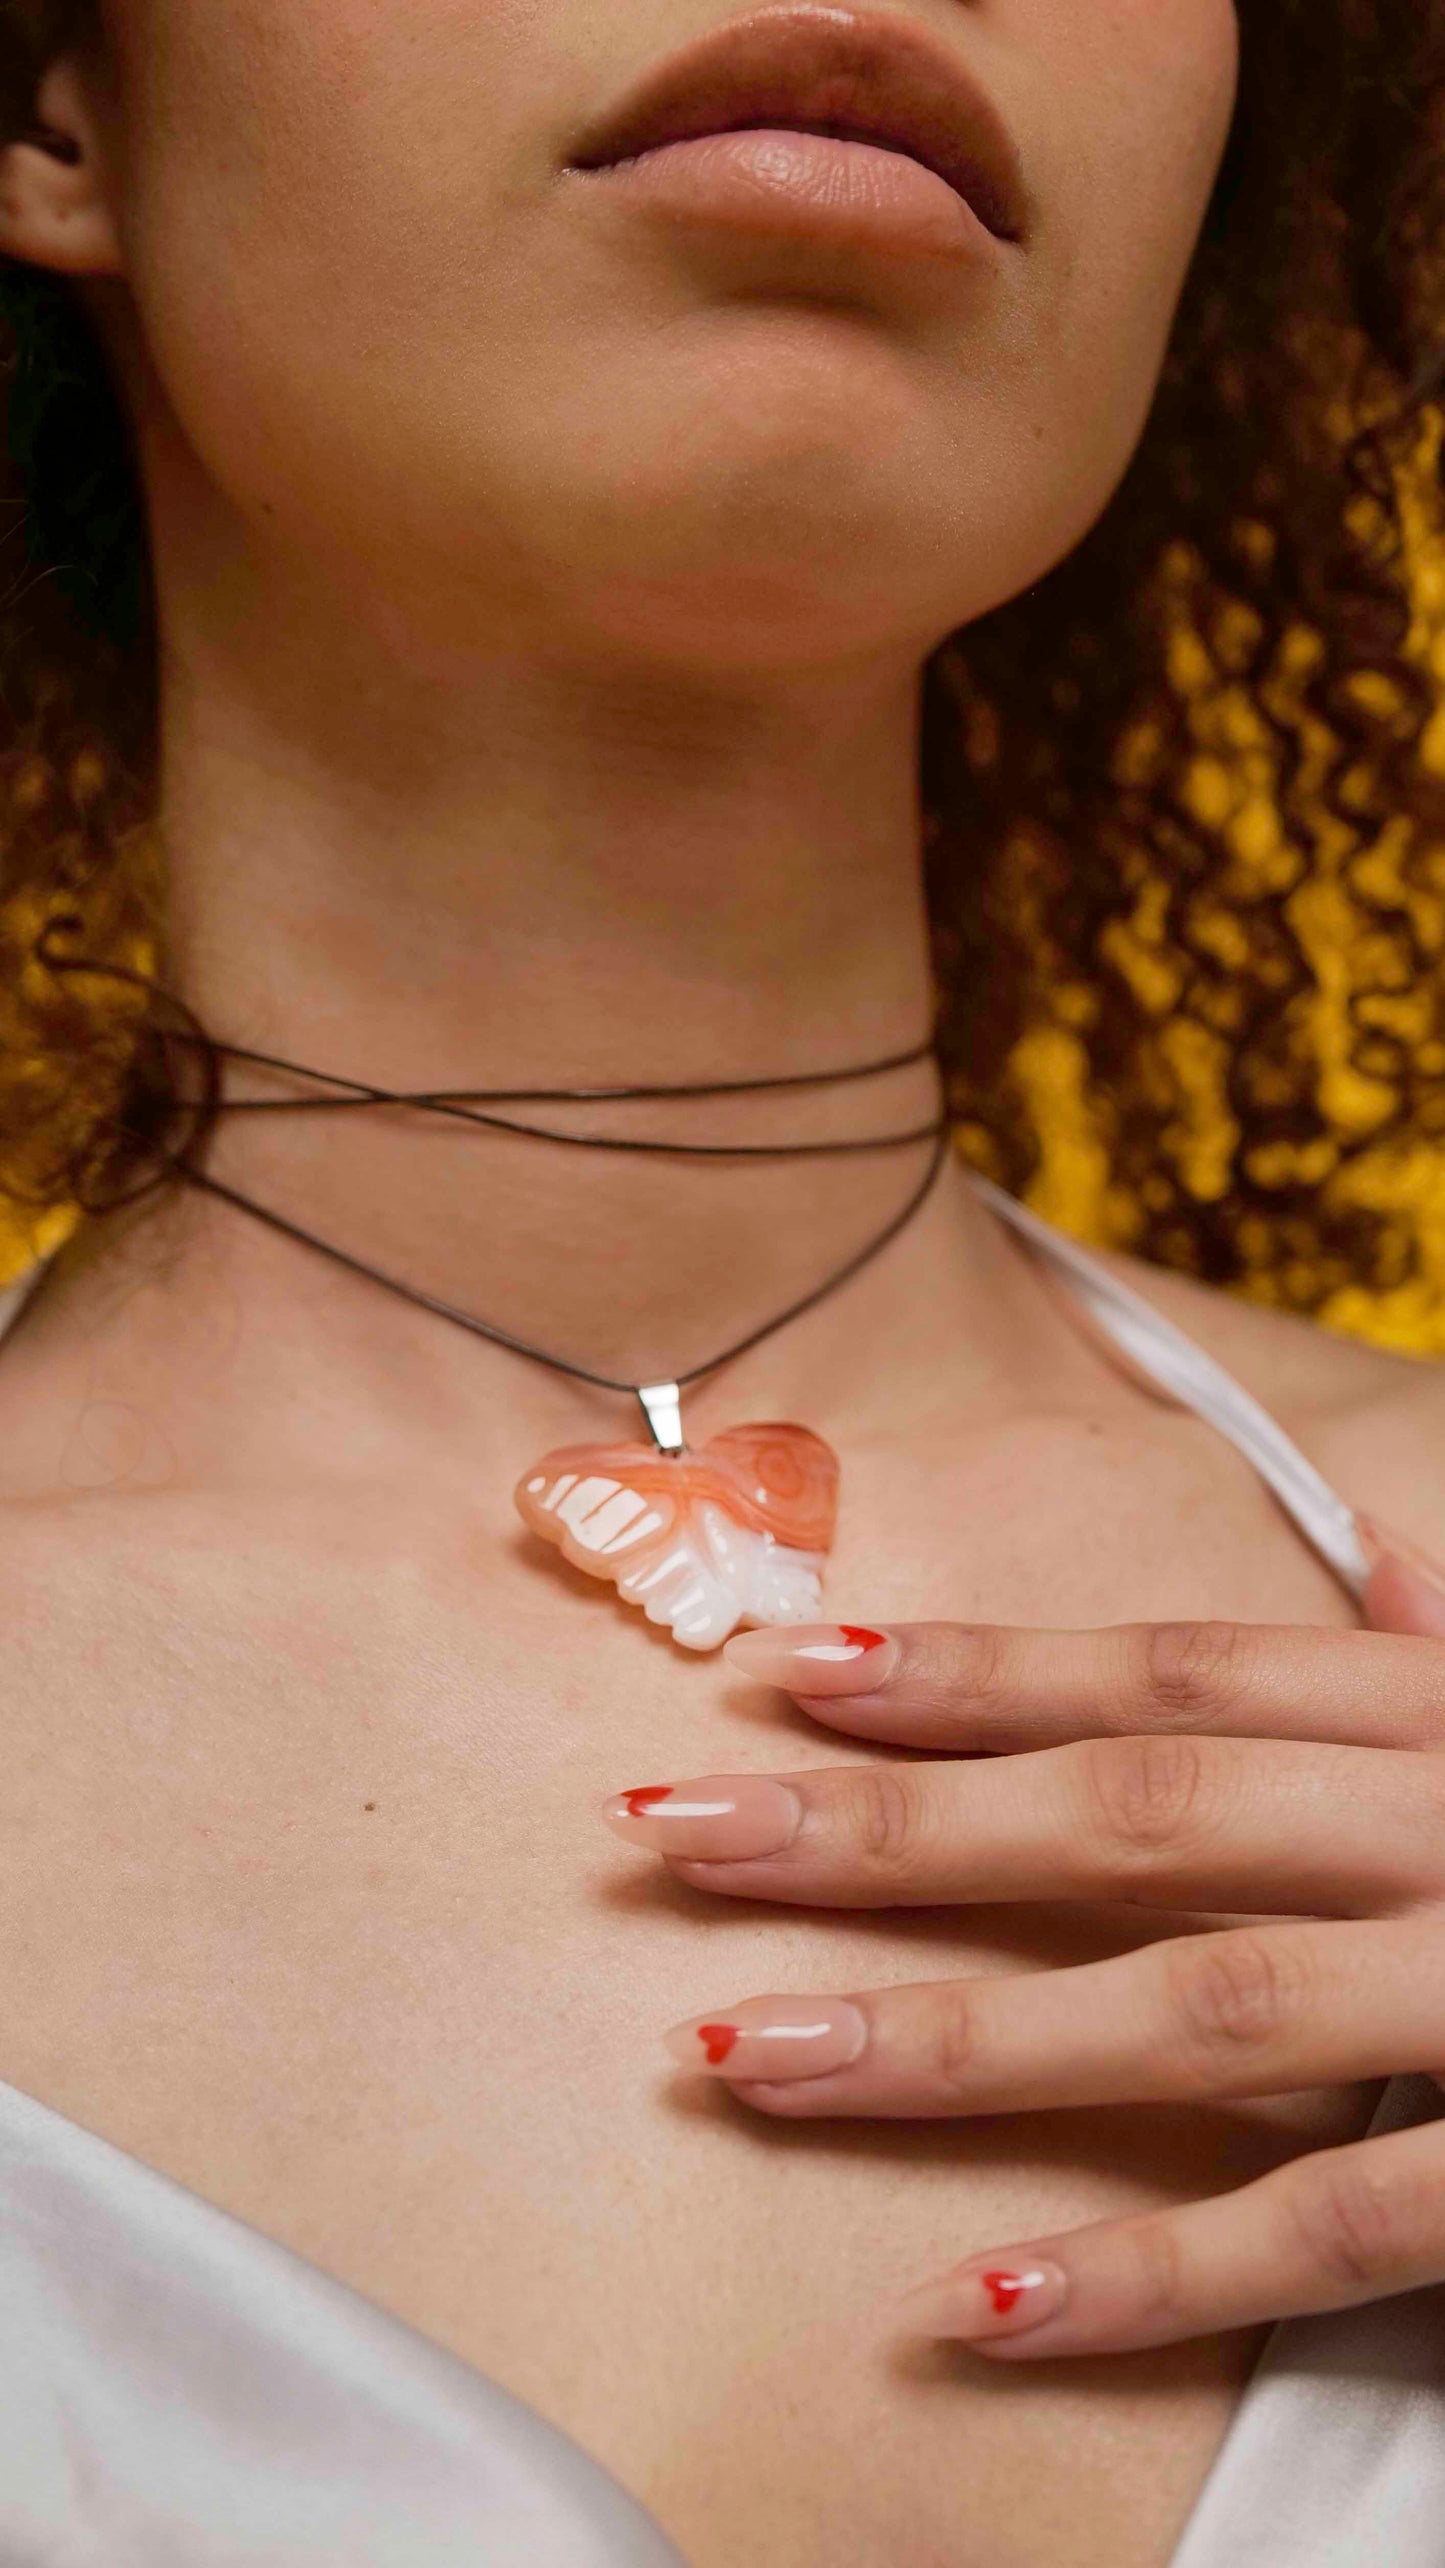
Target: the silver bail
pixel 662 1402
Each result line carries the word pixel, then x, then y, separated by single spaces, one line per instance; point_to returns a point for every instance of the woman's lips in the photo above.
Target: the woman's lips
pixel 782 184
pixel 824 123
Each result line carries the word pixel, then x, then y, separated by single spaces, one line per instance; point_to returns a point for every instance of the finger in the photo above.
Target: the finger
pixel 1245 2012
pixel 1244 1825
pixel 1327 2232
pixel 1003 1687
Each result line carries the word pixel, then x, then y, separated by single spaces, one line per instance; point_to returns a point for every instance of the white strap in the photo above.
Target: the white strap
pixel 1194 1379
pixel 15 1296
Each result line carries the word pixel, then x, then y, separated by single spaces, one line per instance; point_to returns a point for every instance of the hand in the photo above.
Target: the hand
pixel 1290 1773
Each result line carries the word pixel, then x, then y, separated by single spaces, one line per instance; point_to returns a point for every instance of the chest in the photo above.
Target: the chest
pixel 308 1904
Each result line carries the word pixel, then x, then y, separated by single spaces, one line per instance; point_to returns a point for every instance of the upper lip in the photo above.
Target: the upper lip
pixel 859 74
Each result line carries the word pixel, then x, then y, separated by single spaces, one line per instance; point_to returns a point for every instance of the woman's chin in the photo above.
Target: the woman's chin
pixel 794 562
pixel 749 620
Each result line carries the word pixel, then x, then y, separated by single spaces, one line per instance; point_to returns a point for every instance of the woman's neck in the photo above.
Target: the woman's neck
pixel 526 872
pixel 541 873
pixel 546 873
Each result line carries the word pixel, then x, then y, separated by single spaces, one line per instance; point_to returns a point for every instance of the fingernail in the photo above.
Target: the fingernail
pixel 719 1819
pixel 992 2297
pixel 1380 1539
pixel 1390 1554
pixel 772 2038
pixel 816 1658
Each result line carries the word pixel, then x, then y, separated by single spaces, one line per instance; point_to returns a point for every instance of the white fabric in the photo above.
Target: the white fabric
pixel 177 2391
pixel 1336 2458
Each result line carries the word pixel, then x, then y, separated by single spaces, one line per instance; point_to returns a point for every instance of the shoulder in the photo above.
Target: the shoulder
pixel 1372 1421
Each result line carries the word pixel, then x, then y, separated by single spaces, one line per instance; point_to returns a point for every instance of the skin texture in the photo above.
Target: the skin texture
pixel 543 603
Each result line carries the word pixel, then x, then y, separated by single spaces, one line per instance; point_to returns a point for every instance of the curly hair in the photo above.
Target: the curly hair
pixel 1155 786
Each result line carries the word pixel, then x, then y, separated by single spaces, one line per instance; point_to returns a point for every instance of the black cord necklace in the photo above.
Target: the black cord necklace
pixel 736 1531
pixel 498 1336
pixel 466 1105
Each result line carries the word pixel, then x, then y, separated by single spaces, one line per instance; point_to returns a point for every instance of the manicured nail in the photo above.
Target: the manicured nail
pixel 1406 1586
pixel 815 1658
pixel 1380 1540
pixel 722 1818
pixel 772 2037
pixel 991 2297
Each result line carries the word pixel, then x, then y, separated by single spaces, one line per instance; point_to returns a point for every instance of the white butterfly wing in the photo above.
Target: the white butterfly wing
pixel 593 1517
pixel 693 1568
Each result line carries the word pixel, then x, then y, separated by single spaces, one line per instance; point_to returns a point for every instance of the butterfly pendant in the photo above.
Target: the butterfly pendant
pixel 735 1531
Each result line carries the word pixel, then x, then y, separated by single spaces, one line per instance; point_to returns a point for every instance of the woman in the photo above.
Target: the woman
pixel 551 514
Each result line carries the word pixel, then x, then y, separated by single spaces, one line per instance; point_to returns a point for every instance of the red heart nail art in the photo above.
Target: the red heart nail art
pixel 645 1797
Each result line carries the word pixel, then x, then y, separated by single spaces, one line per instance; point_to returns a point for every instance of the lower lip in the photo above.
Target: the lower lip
pixel 778 184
